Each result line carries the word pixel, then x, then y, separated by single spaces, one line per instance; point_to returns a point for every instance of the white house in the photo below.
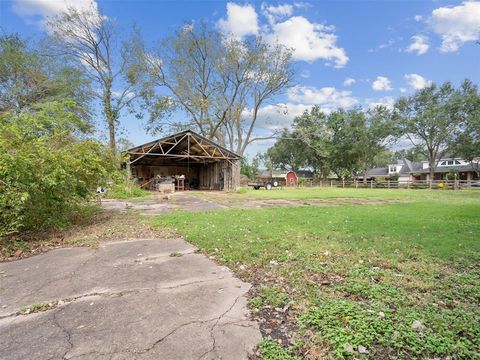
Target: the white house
pixel 407 170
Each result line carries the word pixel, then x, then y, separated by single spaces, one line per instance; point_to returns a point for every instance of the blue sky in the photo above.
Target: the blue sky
pixel 347 52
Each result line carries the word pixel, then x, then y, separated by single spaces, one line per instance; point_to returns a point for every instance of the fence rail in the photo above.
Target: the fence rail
pixel 395 184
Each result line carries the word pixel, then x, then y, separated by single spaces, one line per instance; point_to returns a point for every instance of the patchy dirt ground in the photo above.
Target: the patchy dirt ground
pixel 102 226
pixel 120 218
pixel 240 201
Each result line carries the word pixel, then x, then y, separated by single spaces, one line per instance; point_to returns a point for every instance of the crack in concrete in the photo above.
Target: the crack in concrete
pixel 66 332
pixel 212 336
pixel 216 319
pixel 72 299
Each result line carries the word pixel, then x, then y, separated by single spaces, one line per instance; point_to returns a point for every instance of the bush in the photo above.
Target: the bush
pixel 125 189
pixel 47 168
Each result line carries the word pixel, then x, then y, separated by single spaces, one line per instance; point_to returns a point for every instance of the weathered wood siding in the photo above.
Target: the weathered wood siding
pixel 222 175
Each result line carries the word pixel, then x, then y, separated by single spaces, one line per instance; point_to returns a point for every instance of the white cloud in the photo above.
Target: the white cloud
pixel 349 82
pixel 456 25
pixel 416 81
pixel 418 18
pixel 310 41
pixel 275 13
pixel 278 116
pixel 419 45
pixel 305 74
pixel 242 20
pixel 403 90
pixel 301 98
pixel 387 101
pixel 33 10
pixel 327 97
pixel 382 83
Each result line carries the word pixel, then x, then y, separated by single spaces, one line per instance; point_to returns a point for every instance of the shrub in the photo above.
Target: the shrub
pixel 47 168
pixel 126 189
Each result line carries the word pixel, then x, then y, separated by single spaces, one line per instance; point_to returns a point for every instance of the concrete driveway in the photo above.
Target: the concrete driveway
pixel 159 205
pixel 135 299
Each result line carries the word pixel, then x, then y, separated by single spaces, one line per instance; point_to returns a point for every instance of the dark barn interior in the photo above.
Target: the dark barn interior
pixel 186 159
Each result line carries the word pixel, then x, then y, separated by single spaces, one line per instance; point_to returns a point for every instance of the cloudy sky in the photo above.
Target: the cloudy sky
pixel 347 52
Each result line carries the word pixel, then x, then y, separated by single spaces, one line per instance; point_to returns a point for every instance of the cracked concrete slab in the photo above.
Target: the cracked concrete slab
pixel 159 205
pixel 125 300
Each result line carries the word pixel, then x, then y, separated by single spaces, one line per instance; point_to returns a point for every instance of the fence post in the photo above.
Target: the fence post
pixel 371 184
pixel 331 183
pixel 388 184
pixel 356 184
pixel 343 183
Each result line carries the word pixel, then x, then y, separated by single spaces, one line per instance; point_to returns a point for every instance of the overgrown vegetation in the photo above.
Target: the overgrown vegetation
pixel 398 280
pixel 125 188
pixel 45 169
pixel 49 164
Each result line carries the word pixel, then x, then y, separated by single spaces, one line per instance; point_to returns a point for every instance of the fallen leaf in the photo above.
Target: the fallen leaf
pixel 362 349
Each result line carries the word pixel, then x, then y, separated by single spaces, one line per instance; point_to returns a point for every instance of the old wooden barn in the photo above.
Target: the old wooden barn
pixel 187 159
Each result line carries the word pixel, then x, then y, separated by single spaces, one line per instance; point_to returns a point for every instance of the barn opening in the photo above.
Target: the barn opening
pixel 183 161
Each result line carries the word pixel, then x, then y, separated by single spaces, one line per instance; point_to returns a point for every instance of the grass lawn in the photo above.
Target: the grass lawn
pixel 394 280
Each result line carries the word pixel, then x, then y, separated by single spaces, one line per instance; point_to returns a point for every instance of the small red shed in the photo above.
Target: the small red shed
pixel 291 178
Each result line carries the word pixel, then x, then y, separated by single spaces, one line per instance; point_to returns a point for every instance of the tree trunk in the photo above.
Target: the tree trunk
pixel 110 120
pixel 365 176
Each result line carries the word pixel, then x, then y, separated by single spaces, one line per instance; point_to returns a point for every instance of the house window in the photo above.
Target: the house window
pixel 443 163
pixel 457 162
pixel 393 169
pixel 450 162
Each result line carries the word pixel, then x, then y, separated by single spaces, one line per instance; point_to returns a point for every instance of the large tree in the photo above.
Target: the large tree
pixel 28 79
pixel 343 141
pixel 374 129
pixel 288 152
pixel 432 119
pixel 467 143
pixel 310 129
pixel 94 41
pixel 220 83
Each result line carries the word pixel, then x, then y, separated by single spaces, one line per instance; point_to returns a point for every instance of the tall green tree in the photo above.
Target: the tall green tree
pixel 287 152
pixel 344 142
pixel 467 143
pixel 412 154
pixel 311 129
pixel 374 128
pixel 28 78
pixel 432 118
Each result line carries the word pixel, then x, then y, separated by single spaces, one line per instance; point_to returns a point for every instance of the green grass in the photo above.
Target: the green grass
pixel 357 275
pixel 127 191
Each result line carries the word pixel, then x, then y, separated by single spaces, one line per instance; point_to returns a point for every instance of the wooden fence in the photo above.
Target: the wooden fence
pixel 391 184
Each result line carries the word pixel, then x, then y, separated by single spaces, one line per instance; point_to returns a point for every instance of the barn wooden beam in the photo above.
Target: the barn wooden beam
pixel 143 153
pixel 176 143
pixel 183 156
pixel 199 143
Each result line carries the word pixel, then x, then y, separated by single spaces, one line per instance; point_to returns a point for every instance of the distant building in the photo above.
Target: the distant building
pixel 407 170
